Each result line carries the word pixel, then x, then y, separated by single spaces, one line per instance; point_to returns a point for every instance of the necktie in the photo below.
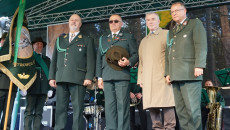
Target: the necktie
pixel 71 37
pixel 177 28
pixel 114 36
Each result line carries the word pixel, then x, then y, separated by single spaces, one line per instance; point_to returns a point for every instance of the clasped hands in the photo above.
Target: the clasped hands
pixel 138 95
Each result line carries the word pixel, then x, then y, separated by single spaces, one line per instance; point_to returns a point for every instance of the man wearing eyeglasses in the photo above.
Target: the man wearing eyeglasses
pixel 115 81
pixel 185 61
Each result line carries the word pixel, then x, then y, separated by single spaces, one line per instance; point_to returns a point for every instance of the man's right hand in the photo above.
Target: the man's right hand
pixel 53 83
pixel 100 83
pixel 168 79
pixel 132 95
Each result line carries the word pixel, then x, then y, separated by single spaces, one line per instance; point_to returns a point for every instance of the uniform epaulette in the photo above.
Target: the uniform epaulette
pixel 62 34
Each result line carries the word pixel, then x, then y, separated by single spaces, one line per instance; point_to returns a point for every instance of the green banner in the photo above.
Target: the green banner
pixel 21 11
pixel 16 56
pixel 23 75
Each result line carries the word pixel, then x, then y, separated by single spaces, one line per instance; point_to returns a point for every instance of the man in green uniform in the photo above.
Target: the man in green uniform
pixel 37 93
pixel 4 89
pixel 116 82
pixel 185 60
pixel 72 69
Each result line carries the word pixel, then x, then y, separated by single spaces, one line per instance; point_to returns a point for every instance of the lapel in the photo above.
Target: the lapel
pixel 117 38
pixel 155 33
pixel 181 26
pixel 66 41
pixel 108 41
pixel 76 39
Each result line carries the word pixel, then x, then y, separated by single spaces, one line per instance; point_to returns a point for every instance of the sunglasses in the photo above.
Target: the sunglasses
pixel 114 21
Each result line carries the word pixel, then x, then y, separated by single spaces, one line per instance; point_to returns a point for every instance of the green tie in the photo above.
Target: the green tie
pixel 177 28
pixel 114 36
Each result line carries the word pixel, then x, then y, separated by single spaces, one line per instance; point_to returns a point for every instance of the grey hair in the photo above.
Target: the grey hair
pixel 151 12
pixel 116 15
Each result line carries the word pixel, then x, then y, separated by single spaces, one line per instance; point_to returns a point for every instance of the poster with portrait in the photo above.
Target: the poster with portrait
pixel 54 31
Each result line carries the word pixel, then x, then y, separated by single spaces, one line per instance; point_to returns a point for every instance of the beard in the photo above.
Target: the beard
pixel 72 27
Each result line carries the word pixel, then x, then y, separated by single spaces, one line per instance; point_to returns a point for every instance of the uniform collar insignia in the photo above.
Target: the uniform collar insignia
pixel 79 36
pixel 120 34
pixel 65 36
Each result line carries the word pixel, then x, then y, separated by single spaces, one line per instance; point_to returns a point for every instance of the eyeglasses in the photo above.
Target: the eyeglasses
pixel 114 21
pixel 176 11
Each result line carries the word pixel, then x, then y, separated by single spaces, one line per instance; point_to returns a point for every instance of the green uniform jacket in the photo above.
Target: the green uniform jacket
pixel 188 51
pixel 41 84
pixel 75 64
pixel 103 70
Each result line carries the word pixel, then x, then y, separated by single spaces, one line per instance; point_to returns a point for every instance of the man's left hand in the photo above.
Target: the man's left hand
pixel 87 82
pixel 198 72
pixel 123 62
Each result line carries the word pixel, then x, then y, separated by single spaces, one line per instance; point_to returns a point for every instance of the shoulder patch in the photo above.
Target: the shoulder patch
pixel 62 35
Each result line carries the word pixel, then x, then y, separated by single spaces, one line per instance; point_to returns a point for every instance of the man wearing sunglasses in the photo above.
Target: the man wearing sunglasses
pixel 115 82
pixel 185 60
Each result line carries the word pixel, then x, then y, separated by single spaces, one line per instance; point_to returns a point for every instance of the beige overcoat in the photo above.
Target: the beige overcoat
pixel 156 92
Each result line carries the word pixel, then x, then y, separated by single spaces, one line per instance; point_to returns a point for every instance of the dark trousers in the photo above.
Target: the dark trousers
pixel 204 113
pixel 3 104
pixel 117 105
pixel 142 115
pixel 34 110
pixel 187 95
pixel 63 93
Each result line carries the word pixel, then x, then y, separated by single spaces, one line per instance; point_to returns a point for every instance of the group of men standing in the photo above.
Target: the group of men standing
pixel 170 71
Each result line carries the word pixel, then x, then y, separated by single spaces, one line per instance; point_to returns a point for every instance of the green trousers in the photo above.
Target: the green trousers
pixel 3 104
pixel 63 93
pixel 117 105
pixel 34 110
pixel 187 96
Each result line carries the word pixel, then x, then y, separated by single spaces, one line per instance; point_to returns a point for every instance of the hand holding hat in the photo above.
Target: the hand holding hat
pixel 117 57
pixel 123 62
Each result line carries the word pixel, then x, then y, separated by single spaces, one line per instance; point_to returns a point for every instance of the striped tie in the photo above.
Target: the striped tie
pixel 114 36
pixel 71 37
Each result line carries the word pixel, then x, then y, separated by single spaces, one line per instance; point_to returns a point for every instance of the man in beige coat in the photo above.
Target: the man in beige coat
pixel 157 94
